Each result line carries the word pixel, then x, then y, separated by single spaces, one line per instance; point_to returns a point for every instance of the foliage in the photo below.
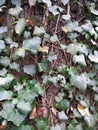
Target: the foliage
pixel 72 107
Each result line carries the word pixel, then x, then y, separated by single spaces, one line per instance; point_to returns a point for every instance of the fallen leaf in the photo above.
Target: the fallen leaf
pixel 54 111
pixel 64 29
pixel 83 111
pixel 44 49
pixel 33 113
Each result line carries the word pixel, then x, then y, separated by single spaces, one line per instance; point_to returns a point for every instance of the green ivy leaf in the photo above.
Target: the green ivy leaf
pixel 20 26
pixel 54 38
pixel 2 2
pixel 32 44
pixel 3 72
pixel 2 45
pixel 25 127
pixel 15 66
pixel 5 61
pixel 29 69
pixel 55 9
pixel 94 57
pixel 15 11
pixel 24 107
pixel 48 2
pixel 62 116
pixel 5 95
pixel 16 2
pixel 79 59
pixel 39 30
pixel 43 66
pixel 32 2
pixel 64 2
pixel 52 56
pixel 3 30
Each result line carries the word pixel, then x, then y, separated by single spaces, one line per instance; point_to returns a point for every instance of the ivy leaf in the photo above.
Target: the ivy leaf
pixel 77 47
pixel 32 2
pixel 4 61
pixel 5 81
pixel 52 56
pixel 25 127
pixel 55 9
pixel 20 52
pixel 62 116
pixel 29 69
pixel 2 2
pixel 39 30
pixel 16 2
pixel 94 57
pixel 66 17
pixel 24 107
pixel 5 95
pixel 54 38
pixel 20 26
pixel 3 72
pixel 56 127
pixel 43 66
pixel 32 44
pixel 2 45
pixel 3 30
pixel 15 11
pixel 64 2
pixel 79 59
pixel 80 81
pixel 15 66
pixel 93 10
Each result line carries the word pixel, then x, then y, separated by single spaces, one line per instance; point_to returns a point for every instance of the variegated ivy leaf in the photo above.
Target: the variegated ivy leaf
pixel 64 2
pixel 39 30
pixel 16 2
pixel 79 59
pixel 32 45
pixel 29 69
pixel 2 45
pixel 4 61
pixel 32 2
pixel 3 72
pixel 3 30
pixel 20 26
pixel 2 2
pixel 55 9
pixel 5 81
pixel 15 66
pixel 94 57
pixel 15 11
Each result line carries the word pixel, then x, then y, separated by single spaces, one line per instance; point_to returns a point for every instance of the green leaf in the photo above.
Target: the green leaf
pixel 2 45
pixel 94 57
pixel 3 30
pixel 78 47
pixel 24 107
pixel 25 127
pixel 64 2
pixel 93 10
pixel 29 69
pixel 2 2
pixel 5 95
pixel 32 2
pixel 66 17
pixel 43 66
pixel 16 2
pixel 90 120
pixel 56 127
pixel 39 30
pixel 15 11
pixel 62 116
pixel 19 53
pixel 41 123
pixel 80 81
pixel 5 61
pixel 15 66
pixel 55 9
pixel 48 2
pixel 79 59
pixel 3 72
pixel 20 26
pixel 52 56
pixel 79 127
pixel 54 38
pixel 6 81
pixel 32 44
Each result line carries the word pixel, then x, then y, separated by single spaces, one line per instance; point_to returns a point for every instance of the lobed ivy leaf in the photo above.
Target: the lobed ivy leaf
pixel 32 2
pixel 2 2
pixel 20 26
pixel 15 11
pixel 79 59
pixel 62 116
pixel 66 17
pixel 65 2
pixel 3 72
pixel 93 10
pixel 3 30
pixel 5 61
pixel 55 9
pixel 15 66
pixel 6 81
pixel 24 107
pixel 94 57
pixel 43 66
pixel 16 2
pixel 39 30
pixel 24 127
pixel 48 2
pixel 2 45
pixel 20 52
pixel 32 45
pixel 5 95
pixel 52 56
pixel 54 38
pixel 29 69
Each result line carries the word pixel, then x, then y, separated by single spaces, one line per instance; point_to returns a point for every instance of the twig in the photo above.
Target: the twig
pixel 68 8
pixel 57 24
